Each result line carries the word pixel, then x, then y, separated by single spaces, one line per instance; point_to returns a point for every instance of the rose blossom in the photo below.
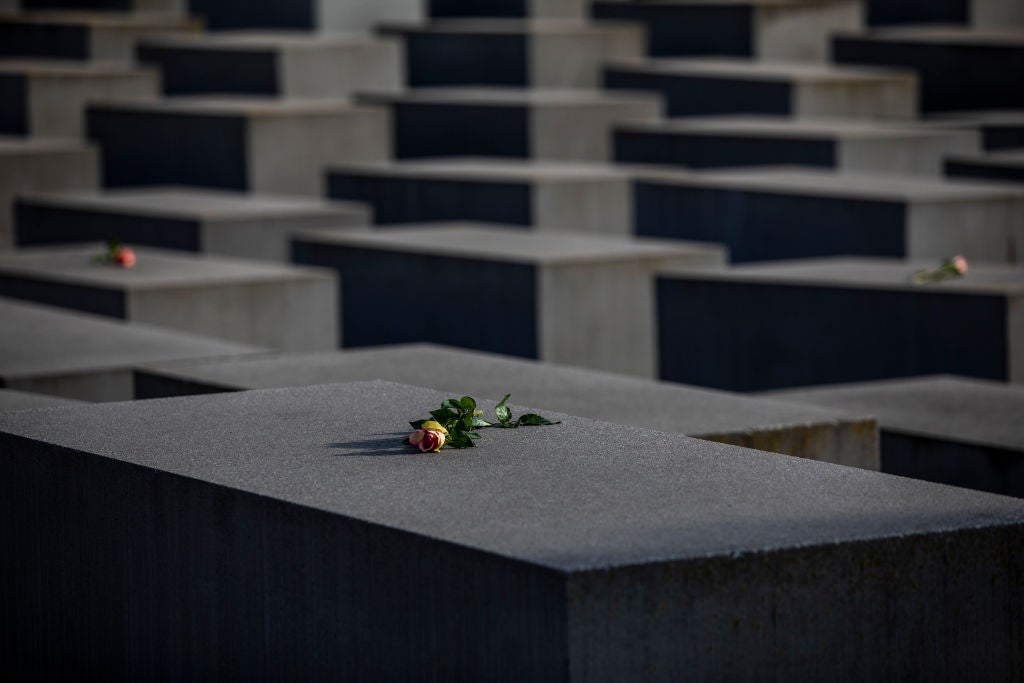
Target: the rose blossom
pixel 429 437
pixel 124 257
pixel 959 264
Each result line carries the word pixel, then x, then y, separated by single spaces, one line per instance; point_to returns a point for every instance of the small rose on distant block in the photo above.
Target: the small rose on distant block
pixel 117 255
pixel 456 423
pixel 949 268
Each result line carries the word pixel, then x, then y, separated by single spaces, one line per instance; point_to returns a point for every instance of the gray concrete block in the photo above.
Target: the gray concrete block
pixel 38 165
pixel 951 430
pixel 785 30
pixel 236 143
pixel 48 97
pixel 546 195
pixel 536 9
pixel 306 15
pixel 977 13
pixel 843 437
pixel 190 219
pixel 768 214
pixel 824 321
pixel 858 146
pixel 105 5
pixel 22 400
pixel 548 53
pixel 263 304
pixel 1005 166
pixel 54 351
pixel 534 295
pixel 999 129
pixel 100 35
pixel 274 63
pixel 291 529
pixel 511 122
pixel 957 68
pixel 699 87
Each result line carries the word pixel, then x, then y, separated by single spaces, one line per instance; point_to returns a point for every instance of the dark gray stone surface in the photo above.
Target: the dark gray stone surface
pixel 999 166
pixel 23 400
pixel 293 531
pixel 844 437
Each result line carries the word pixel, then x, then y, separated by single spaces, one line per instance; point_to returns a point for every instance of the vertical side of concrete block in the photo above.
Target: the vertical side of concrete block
pixel 1015 331
pixel 57 105
pixel 361 15
pixel 267 239
pixel 889 99
pixel 801 33
pixel 915 156
pixel 982 229
pixel 852 443
pixel 556 8
pixel 591 206
pixel 583 133
pixel 99 386
pixel 14 108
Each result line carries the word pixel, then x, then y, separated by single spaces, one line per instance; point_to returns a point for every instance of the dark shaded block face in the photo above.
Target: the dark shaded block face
pixel 55 41
pixel 410 200
pixel 1002 136
pixel 224 14
pixel 474 8
pixel 761 226
pixel 87 299
pixel 392 298
pixel 153 385
pixel 14 105
pixel 885 12
pixel 438 130
pixel 680 30
pixel 688 96
pixel 436 59
pixel 952 77
pixel 982 170
pixel 77 4
pixel 199 71
pixel 972 466
pixel 152 148
pixel 43 224
pixel 758 336
pixel 711 151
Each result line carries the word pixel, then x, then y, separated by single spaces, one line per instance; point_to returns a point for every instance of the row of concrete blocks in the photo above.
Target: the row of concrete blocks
pixel 292 529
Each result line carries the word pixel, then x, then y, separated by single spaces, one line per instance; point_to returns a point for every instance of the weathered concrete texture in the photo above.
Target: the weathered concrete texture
pixel 190 219
pixel 290 528
pixel 699 87
pixel 977 13
pixel 958 69
pixel 769 214
pixel 53 351
pixel 785 30
pixel 995 166
pixel 951 430
pixel 535 295
pixel 48 97
pixel 546 195
pixel 306 15
pixel 764 141
pixel 843 437
pixel 239 143
pixel 271 305
pixel 22 400
pixel 511 122
pixel 36 165
pixel 548 53
pixel 280 64
pixel 104 36
pixel 824 321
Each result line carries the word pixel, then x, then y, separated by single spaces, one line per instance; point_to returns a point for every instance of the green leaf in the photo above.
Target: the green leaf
pixel 480 422
pixel 533 419
pixel 416 424
pixel 466 421
pixel 502 412
pixel 443 415
pixel 461 440
pixel 468 404
pixel 452 404
pixel 473 435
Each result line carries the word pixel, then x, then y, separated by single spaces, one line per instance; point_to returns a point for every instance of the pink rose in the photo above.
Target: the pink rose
pixel 124 257
pixel 429 437
pixel 959 264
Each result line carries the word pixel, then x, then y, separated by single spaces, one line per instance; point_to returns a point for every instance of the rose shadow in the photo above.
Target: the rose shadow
pixel 385 445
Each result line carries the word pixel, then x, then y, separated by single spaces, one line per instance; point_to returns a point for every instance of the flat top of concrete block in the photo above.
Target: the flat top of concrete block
pixel 829 183
pixel 228 105
pixel 743 69
pixel 472 169
pixel 942 35
pixel 15 146
pixel 948 408
pixel 576 496
pixel 58 68
pixel 260 40
pixel 99 19
pixel 600 395
pixel 194 203
pixel 769 126
pixel 40 340
pixel 22 400
pixel 512 26
pixel 503 97
pixel 76 264
pixel 514 244
pixel 869 273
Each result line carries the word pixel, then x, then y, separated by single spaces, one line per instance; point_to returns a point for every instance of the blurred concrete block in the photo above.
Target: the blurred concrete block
pixel 536 9
pixel 306 15
pixel 22 400
pixel 977 13
pixel 1005 166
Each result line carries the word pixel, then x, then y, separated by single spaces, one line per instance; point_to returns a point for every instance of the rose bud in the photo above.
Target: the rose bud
pixel 125 257
pixel 429 437
pixel 959 264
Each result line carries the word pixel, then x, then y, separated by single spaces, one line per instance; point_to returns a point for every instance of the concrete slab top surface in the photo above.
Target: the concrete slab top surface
pixel 600 395
pixel 829 183
pixel 59 68
pixel 15 146
pixel 513 244
pixel 510 26
pixel 260 39
pixel 39 340
pixel 744 69
pixel 942 35
pixel 154 268
pixel 23 400
pixel 869 273
pixel 100 19
pixel 577 496
pixel 194 203
pixel 475 169
pixel 772 126
pixel 503 97
pixel 241 105
pixel 959 409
